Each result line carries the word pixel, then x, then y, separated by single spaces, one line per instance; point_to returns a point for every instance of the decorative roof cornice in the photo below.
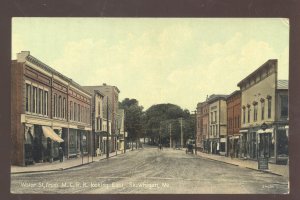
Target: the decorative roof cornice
pixel 49 69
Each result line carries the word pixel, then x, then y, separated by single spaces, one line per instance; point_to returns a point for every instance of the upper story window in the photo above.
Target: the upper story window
pixel 269 106
pixel 59 107
pixel 64 108
pixel 46 103
pixel 99 108
pixel 41 101
pixel 283 105
pixel 255 111
pixel 78 109
pixel 249 113
pixel 75 111
pixel 71 110
pixel 244 114
pixel 28 97
pixel 34 98
pixel 37 101
pixel 262 101
pixel 215 116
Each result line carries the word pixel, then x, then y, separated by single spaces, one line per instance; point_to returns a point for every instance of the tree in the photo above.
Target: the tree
pixel 160 119
pixel 133 117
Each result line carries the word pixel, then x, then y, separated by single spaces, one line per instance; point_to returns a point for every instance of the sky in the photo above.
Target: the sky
pixel 156 60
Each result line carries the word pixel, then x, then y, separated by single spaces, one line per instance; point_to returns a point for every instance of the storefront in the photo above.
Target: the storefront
pixel 205 145
pixel 233 146
pixel 251 145
pixel 214 146
pixel 41 144
pixel 222 147
pixel 243 144
pixel 273 144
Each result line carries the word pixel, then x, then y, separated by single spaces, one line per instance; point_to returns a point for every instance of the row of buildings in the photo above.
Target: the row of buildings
pixel 249 123
pixel 50 110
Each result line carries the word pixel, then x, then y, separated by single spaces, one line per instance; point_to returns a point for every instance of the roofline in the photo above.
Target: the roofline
pixel 233 94
pixel 216 99
pixel 104 86
pixel 258 69
pixel 49 69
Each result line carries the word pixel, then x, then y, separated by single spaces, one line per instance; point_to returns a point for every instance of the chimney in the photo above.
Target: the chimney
pixel 21 57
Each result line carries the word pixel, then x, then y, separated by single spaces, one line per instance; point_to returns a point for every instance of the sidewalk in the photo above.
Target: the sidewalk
pixel 57 165
pixel 282 170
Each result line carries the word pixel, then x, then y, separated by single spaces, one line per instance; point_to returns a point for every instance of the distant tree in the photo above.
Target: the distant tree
pixel 160 119
pixel 133 118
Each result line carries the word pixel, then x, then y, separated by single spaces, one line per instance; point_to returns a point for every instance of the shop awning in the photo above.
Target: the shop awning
pixel 243 131
pixel 49 133
pixel 102 133
pixel 269 130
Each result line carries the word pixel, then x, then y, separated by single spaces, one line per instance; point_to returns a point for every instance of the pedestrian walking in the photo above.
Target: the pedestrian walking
pixel 61 154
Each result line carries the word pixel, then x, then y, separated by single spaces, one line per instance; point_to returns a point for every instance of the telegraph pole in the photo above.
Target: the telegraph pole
pixel 107 133
pixel 181 138
pixel 195 132
pixel 170 135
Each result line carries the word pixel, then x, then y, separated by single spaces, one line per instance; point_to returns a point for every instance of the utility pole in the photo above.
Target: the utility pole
pixel 170 135
pixel 107 133
pixel 181 138
pixel 195 132
pixel 160 134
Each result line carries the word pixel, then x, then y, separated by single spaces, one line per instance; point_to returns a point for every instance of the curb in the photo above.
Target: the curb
pixel 60 169
pixel 267 172
pixel 264 171
pixel 38 171
pixel 221 161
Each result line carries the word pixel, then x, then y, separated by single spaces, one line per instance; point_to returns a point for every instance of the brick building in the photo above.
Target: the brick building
pixel 233 123
pixel 48 111
pixel 112 93
pixel 202 125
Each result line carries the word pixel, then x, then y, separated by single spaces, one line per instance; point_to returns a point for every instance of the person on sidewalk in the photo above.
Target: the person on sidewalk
pixel 61 154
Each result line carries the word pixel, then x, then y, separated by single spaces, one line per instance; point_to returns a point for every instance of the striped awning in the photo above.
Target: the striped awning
pixel 49 133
